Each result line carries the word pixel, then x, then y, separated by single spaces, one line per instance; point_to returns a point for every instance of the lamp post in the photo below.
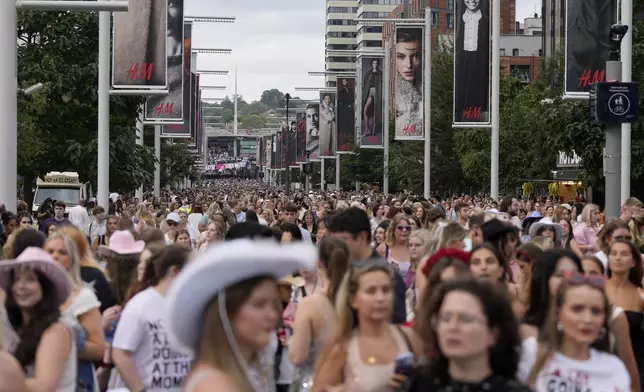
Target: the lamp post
pixel 288 132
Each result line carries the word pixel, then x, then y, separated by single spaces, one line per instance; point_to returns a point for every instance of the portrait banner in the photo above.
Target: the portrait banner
pixel 588 43
pixel 292 145
pixel 346 119
pixel 327 127
pixel 279 147
pixel 273 150
pixel 312 131
pixel 268 151
pixel 300 136
pixel 472 69
pixel 409 83
pixel 170 107
pixel 139 59
pixel 369 101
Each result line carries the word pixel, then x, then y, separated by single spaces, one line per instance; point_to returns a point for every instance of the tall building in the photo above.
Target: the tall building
pixel 341 32
pixel 371 36
pixel 554 25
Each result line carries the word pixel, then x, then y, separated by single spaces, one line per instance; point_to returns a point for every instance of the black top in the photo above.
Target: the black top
pixel 491 384
pixel 101 286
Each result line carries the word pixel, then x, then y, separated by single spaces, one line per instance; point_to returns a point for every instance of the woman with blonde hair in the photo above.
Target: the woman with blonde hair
pixel 587 229
pixel 82 306
pixel 636 226
pixel 361 353
pixel 232 317
pixel 395 250
pixel 145 219
pixel 90 271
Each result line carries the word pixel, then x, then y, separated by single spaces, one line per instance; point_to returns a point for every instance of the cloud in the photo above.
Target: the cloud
pixel 274 45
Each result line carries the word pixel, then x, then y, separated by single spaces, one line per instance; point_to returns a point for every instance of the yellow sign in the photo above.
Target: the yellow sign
pixel 61 180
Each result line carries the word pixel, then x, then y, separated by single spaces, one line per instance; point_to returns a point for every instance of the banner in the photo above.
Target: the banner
pixel 370 108
pixel 139 59
pixel 170 107
pixel 292 145
pixel 409 83
pixel 185 125
pixel 587 43
pixel 279 147
pixel 346 120
pixel 273 150
pixel 327 126
pixel 198 117
pixel 268 152
pixel 300 137
pixel 194 104
pixel 283 152
pixel 312 131
pixel 472 70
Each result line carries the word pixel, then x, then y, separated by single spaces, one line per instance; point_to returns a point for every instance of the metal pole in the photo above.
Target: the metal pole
pixel 385 121
pixel 157 165
pixel 139 140
pixel 337 171
pixel 9 105
pixel 103 172
pixel 612 158
pixel 427 161
pixel 235 111
pixel 627 68
pixel 322 174
pixel 496 78
pixel 288 136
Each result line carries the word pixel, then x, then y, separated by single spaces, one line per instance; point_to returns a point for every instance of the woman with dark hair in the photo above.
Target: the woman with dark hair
pixel 291 232
pixel 27 238
pixel 470 338
pixel 36 287
pixel 10 223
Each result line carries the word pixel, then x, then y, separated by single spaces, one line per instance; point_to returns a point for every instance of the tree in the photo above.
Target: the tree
pixel 177 162
pixel 253 121
pixel 273 98
pixel 58 126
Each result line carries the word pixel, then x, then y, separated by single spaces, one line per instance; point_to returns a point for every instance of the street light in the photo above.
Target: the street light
pixel 217 73
pixel 213 87
pixel 323 73
pixel 31 89
pixel 210 19
pixel 212 51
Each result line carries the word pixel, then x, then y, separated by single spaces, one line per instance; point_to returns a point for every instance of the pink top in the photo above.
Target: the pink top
pixel 586 235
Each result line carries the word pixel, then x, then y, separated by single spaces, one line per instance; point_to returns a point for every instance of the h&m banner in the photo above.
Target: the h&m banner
pixel 409 83
pixel 346 119
pixel 369 102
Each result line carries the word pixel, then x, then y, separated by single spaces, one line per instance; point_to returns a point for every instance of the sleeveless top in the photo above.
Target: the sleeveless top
pixel 362 377
pixel 304 374
pixel 67 380
pixel 201 374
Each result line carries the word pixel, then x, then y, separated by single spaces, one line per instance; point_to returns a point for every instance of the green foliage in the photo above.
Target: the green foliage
pixel 177 162
pixel 58 125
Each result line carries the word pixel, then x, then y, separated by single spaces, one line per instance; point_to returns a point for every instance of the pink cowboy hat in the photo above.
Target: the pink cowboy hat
pixel 40 261
pixel 123 243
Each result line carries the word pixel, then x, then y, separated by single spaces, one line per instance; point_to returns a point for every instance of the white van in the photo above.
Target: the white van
pixel 59 186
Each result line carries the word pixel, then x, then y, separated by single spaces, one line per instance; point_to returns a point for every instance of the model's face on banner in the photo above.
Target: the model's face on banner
pixel 374 65
pixel 408 59
pixel 327 99
pixel 472 5
pixel 345 82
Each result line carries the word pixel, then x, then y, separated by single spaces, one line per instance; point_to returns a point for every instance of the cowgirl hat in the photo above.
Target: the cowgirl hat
pixel 546 222
pixel 40 261
pixel 122 242
pixel 219 267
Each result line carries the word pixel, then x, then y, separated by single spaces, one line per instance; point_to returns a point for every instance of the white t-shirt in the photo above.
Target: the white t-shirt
pixel 141 330
pixel 603 372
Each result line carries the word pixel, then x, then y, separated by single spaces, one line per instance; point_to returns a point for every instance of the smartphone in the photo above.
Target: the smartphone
pixel 404 364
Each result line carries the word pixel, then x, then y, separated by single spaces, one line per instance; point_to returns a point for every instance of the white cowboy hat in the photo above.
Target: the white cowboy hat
pixel 221 266
pixel 546 222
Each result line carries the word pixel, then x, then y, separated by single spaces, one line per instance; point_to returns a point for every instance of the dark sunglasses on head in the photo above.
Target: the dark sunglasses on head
pixel 575 278
pixel 403 228
pixel 171 223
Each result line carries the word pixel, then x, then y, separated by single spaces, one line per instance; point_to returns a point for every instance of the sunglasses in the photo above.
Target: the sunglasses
pixel 575 278
pixel 171 223
pixel 623 238
pixel 403 228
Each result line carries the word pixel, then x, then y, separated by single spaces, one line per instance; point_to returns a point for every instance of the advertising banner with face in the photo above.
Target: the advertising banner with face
pixel 312 131
pixel 273 150
pixel 369 103
pixel 472 62
pixel 268 151
pixel 327 126
pixel 300 136
pixel 292 145
pixel 587 43
pixel 279 150
pixel 139 59
pixel 409 102
pixel 346 119
pixel 170 107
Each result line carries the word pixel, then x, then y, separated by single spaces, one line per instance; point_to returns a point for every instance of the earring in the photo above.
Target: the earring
pixel 559 327
pixel 602 333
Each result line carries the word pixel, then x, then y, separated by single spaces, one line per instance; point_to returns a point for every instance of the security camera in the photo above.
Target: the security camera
pixel 617 33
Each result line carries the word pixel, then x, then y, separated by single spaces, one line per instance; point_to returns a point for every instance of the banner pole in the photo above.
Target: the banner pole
pixel 322 174
pixel 9 104
pixel 428 102
pixel 627 62
pixel 139 140
pixel 337 171
pixel 496 79
pixel 103 169
pixel 157 164
pixel 385 120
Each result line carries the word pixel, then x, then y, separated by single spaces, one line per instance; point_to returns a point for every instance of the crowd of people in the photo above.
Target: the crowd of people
pixel 218 154
pixel 238 286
